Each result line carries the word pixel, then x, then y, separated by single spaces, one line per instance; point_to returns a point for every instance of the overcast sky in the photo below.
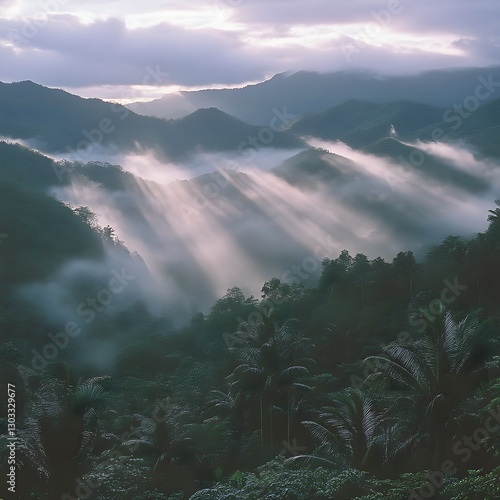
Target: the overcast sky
pixel 130 49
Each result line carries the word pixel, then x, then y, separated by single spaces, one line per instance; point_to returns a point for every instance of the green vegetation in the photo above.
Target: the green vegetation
pixel 369 126
pixel 62 122
pixel 361 386
pixel 377 380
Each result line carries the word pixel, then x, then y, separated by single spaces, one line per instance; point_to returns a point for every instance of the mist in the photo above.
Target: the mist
pixel 214 227
pixel 438 204
pixel 149 165
pixel 188 231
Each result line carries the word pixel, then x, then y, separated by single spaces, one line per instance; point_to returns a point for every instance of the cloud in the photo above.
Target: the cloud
pixel 68 52
pixel 202 236
pixel 230 41
pixel 479 17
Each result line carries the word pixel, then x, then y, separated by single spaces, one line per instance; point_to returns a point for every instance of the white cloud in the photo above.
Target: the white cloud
pixel 74 43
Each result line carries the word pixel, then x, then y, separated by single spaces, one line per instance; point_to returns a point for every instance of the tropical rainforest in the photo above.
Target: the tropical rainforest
pixel 327 327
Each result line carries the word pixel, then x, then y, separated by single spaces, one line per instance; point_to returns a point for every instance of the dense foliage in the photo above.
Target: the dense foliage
pixel 380 379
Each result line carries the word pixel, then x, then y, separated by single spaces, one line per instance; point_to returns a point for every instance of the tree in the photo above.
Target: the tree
pixel 232 301
pixel 405 265
pixel 493 231
pixel 360 269
pixel 276 291
pixel 450 253
pixel 495 213
pixel 334 273
pixel 349 425
pixel 59 436
pixel 227 315
pixel 437 373
pixel 86 215
pixel 272 364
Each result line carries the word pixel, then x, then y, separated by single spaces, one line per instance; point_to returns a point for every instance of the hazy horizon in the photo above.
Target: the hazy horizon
pixel 121 51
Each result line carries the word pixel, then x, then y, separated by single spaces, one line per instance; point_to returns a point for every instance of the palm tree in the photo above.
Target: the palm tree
pixel 60 432
pixel 230 404
pixel 435 374
pixel 349 426
pixel 272 364
pixel 493 232
pixel 494 214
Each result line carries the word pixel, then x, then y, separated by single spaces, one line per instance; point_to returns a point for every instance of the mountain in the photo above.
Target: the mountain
pixel 431 167
pixel 315 166
pixel 370 126
pixel 42 233
pixel 57 121
pixel 305 92
pixel 230 219
pixel 359 123
pixel 479 127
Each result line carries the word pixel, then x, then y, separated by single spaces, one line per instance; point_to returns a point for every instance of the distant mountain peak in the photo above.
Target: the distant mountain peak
pixel 310 92
pixel 211 114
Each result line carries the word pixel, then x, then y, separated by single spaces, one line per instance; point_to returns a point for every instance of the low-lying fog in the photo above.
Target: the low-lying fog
pixel 241 223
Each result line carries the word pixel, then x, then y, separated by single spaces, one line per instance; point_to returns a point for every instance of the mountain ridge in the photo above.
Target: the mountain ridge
pixel 304 91
pixel 62 122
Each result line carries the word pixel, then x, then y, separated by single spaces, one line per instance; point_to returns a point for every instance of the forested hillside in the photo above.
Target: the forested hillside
pixel 375 380
pixel 205 308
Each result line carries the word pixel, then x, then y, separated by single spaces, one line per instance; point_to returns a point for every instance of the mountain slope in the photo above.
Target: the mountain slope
pixel 42 232
pixel 479 127
pixel 61 122
pixel 369 126
pixel 314 166
pixel 306 92
pixel 358 123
